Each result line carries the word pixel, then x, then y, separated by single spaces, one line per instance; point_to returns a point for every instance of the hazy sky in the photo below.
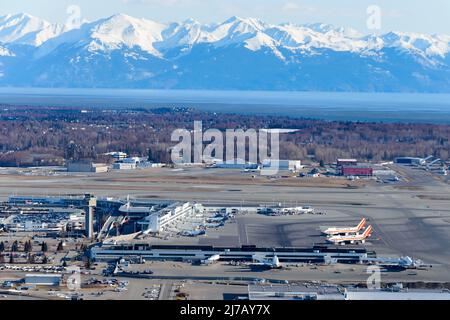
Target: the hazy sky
pixel 429 16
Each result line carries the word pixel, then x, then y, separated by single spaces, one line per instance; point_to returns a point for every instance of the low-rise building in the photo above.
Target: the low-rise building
pixel 124 166
pixel 236 165
pixel 45 220
pixel 396 294
pixel 157 221
pixel 293 292
pixel 118 155
pixel 134 163
pixel 359 171
pixel 291 165
pixel 346 162
pixel 83 166
pixel 43 279
pixel 321 292
pixel 410 161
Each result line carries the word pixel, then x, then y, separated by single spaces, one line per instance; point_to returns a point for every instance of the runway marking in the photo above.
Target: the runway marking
pixel 246 234
pixel 242 230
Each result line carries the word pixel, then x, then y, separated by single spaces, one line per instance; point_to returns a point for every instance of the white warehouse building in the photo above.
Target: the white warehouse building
pixel 291 165
pixel 124 166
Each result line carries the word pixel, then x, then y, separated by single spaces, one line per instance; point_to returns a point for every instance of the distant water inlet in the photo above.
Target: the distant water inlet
pixel 334 106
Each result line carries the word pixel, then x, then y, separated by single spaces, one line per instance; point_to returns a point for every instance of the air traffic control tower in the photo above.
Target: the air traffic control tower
pixel 90 204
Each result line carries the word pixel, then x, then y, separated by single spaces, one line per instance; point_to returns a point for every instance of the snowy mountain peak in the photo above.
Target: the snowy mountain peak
pixel 319 27
pixel 188 33
pixel 239 53
pixel 14 27
pixel 427 45
pixel 124 31
pixel 24 28
pixel 245 24
pixel 4 52
pixel 112 33
pixel 121 16
pixel 191 21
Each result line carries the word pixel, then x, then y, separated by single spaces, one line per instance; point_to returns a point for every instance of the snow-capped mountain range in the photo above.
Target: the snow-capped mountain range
pixel 241 53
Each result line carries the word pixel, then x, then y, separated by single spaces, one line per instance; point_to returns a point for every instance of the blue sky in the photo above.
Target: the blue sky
pixel 431 16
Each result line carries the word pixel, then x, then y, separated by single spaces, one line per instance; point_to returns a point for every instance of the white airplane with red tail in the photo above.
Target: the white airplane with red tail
pixel 352 239
pixel 345 230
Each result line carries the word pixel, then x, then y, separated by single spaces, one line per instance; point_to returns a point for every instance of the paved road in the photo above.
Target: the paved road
pixel 166 290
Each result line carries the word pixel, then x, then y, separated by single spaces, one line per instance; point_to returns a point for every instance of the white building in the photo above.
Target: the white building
pixel 36 226
pixel 284 165
pixel 134 160
pixel 118 155
pixel 124 166
pixel 157 221
pixel 134 163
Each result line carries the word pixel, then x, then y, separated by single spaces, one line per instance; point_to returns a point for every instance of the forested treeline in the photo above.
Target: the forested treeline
pixel 51 136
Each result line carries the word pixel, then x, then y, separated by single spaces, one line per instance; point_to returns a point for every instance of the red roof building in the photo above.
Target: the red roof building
pixel 357 171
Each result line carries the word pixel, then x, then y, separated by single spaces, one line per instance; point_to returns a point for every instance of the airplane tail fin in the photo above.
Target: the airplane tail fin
pixel 361 224
pixel 368 232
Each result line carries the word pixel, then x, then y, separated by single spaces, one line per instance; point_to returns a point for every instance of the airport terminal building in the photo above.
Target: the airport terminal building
pixel 134 250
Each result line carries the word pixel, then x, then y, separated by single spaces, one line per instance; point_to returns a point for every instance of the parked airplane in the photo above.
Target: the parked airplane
pixel 345 230
pixel 266 264
pixel 213 225
pixel 352 239
pixel 193 233
pixel 400 264
pixel 216 219
pixel 257 169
